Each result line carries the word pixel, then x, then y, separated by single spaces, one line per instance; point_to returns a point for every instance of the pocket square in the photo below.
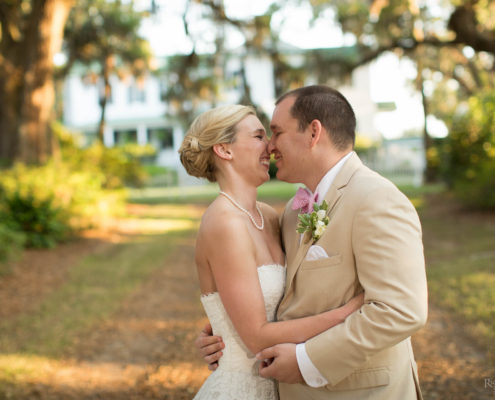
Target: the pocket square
pixel 316 253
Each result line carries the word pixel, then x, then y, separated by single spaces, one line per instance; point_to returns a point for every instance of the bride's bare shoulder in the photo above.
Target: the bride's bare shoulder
pixel 223 236
pixel 219 221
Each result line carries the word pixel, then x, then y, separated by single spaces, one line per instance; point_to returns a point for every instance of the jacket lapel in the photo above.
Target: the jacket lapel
pixel 290 236
pixel 333 195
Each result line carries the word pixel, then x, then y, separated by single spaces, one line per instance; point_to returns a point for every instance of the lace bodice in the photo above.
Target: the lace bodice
pixel 237 375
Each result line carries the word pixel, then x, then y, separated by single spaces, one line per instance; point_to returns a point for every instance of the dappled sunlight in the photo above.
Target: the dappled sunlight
pixel 175 194
pixel 166 211
pixel 125 230
pixel 134 226
pixel 188 327
pixel 179 374
pixel 450 366
pixel 176 191
pixel 147 220
pixel 76 376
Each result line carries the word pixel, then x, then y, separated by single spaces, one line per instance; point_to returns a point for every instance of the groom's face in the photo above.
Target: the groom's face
pixel 288 143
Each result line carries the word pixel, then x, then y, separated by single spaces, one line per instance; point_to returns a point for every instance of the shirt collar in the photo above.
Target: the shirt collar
pixel 329 177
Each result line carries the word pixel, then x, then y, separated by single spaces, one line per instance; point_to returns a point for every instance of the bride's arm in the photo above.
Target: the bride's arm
pixel 232 261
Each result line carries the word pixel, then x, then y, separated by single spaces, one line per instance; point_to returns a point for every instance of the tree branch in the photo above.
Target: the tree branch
pixel 220 15
pixel 464 23
pixel 407 44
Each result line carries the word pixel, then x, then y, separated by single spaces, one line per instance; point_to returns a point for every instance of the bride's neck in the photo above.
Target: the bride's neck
pixel 242 192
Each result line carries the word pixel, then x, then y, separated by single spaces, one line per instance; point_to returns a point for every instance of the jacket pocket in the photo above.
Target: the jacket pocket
pixel 363 379
pixel 331 261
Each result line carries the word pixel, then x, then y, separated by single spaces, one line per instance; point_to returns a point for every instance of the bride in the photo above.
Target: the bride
pixel 239 258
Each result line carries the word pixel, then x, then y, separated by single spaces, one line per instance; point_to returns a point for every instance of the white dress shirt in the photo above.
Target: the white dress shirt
pixel 310 373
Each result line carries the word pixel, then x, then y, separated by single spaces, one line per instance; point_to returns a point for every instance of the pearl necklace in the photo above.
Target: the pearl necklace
pixel 235 203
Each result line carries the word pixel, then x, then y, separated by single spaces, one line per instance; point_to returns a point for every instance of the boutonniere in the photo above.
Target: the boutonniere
pixel 314 222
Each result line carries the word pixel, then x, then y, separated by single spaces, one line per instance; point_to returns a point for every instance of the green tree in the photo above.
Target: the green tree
pixel 31 34
pixel 196 80
pixel 433 34
pixel 103 35
pixel 469 151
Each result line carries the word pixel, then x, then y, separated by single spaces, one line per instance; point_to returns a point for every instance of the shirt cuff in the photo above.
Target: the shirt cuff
pixel 308 370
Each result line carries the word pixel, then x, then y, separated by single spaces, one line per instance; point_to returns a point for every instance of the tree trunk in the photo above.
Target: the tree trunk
pixel 107 88
pixel 43 40
pixel 429 172
pixel 26 83
pixel 10 82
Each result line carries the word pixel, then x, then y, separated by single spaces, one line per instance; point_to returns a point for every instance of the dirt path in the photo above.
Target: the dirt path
pixel 451 366
pixel 145 351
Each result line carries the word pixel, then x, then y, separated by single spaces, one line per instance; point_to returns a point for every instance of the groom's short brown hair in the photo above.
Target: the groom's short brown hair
pixel 328 106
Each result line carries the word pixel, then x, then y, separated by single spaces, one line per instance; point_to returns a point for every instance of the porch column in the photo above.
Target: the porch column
pixel 108 136
pixel 142 134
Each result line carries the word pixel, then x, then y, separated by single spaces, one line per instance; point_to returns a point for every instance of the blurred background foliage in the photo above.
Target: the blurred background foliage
pixel 50 185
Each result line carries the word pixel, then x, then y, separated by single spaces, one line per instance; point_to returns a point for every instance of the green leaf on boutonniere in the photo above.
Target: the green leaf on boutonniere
pixel 315 222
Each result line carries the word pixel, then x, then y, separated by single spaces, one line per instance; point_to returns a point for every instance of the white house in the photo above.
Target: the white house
pixel 137 112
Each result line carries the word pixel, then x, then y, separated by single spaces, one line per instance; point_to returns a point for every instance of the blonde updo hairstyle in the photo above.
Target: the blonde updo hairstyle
pixel 218 125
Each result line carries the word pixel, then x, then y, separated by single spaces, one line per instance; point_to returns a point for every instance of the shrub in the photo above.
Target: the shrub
pixel 469 152
pixel 118 166
pixel 77 195
pixel 161 176
pixel 82 186
pixel 40 220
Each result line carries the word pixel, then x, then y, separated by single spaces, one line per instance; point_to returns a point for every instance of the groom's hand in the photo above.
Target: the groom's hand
pixel 280 362
pixel 209 347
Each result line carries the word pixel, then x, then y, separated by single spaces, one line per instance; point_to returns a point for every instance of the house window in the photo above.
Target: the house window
pixel 136 94
pixel 125 136
pixel 163 89
pixel 162 138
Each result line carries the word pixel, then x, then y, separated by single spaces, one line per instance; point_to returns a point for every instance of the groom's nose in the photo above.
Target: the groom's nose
pixel 271 145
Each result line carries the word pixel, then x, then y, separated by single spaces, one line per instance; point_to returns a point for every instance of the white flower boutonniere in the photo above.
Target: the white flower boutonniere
pixel 315 222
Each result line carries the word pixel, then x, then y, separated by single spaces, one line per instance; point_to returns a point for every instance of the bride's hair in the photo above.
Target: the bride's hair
pixel 215 126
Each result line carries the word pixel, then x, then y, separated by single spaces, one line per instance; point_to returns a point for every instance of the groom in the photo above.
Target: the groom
pixel 372 242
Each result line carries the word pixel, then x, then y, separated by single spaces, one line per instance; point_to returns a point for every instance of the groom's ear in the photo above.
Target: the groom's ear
pixel 223 151
pixel 316 130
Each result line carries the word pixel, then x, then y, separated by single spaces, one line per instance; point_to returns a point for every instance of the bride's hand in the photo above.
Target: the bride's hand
pixel 353 304
pixel 209 347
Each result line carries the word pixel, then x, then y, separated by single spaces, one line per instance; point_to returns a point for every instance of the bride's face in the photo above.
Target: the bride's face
pixel 250 151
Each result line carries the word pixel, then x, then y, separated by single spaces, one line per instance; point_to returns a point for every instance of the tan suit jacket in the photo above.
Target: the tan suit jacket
pixel 373 242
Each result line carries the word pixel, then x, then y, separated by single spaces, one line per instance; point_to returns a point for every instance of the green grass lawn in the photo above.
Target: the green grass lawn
pixel 32 342
pixel 96 286
pixel 271 191
pixel 460 255
pixel 93 290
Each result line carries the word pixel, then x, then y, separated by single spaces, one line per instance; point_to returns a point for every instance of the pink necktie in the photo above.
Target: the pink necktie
pixel 304 200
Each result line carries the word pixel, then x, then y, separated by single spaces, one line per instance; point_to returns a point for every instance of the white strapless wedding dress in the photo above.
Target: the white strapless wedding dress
pixel 236 377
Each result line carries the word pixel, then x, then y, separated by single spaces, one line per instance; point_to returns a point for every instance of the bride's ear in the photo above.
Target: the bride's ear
pixel 223 151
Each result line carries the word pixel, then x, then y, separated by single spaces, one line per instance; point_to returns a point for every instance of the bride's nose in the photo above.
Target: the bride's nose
pixel 270 147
